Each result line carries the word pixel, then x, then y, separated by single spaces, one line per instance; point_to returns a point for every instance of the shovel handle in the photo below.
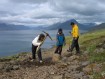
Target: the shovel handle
pixel 48 35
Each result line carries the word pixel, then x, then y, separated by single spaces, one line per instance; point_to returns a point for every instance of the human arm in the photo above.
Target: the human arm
pixel 64 40
pixel 41 43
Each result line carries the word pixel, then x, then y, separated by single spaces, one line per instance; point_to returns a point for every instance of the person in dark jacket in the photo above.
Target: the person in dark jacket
pixel 60 38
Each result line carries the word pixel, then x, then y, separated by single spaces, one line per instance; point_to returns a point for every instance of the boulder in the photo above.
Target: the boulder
pixel 62 65
pixel 74 57
pixel 104 46
pixel 85 63
pixel 88 69
pixel 15 67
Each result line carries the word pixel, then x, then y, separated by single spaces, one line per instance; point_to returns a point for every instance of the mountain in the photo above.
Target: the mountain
pixel 4 26
pixel 101 26
pixel 66 25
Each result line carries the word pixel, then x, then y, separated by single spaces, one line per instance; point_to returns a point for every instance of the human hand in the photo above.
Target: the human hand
pixel 70 32
pixel 47 34
pixel 64 44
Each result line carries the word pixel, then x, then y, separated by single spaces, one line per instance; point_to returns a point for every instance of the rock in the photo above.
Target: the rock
pixel 103 46
pixel 15 67
pixel 75 67
pixel 97 68
pixel 93 68
pixel 96 51
pixel 99 45
pixel 8 68
pixel 85 77
pixel 56 57
pixel 62 65
pixel 67 54
pixel 88 69
pixel 79 75
pixel 67 76
pixel 68 63
pixel 64 59
pixel 85 63
pixel 75 62
pixel 85 52
pixel 91 77
pixel 74 57
pixel 52 73
pixel 99 50
pixel 58 77
pixel 103 74
pixel 12 61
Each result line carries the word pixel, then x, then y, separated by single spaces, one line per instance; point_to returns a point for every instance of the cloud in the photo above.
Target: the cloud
pixel 29 1
pixel 47 12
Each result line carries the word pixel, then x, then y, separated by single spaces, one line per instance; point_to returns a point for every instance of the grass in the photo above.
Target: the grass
pixel 97 57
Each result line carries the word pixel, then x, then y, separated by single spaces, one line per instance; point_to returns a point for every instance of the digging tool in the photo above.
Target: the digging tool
pixel 43 41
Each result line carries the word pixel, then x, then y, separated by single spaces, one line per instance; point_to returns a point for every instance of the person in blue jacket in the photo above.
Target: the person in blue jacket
pixel 60 38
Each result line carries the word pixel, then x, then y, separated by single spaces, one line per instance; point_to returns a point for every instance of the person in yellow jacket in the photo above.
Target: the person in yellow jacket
pixel 75 35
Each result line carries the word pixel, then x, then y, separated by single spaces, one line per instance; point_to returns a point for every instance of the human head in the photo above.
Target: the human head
pixel 72 23
pixel 60 31
pixel 41 37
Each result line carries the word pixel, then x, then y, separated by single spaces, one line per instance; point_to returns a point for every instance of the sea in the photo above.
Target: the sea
pixel 13 42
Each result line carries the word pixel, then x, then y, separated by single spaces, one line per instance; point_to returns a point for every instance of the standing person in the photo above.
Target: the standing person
pixel 60 38
pixel 36 43
pixel 75 35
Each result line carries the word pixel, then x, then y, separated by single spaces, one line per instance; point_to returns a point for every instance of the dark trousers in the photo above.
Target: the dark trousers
pixel 58 49
pixel 34 52
pixel 75 45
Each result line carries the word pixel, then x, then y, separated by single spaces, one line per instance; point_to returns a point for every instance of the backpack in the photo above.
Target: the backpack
pixel 60 39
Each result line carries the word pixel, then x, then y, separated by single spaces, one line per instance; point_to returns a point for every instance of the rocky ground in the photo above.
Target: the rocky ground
pixel 70 66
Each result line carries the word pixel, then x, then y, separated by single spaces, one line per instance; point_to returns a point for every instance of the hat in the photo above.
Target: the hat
pixel 60 29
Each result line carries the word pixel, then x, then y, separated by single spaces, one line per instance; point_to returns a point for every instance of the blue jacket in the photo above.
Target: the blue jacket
pixel 60 39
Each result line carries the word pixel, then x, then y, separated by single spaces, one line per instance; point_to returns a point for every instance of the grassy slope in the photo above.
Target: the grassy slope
pixel 88 42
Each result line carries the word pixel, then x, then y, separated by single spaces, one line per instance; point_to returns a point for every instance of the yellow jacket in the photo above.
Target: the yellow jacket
pixel 75 31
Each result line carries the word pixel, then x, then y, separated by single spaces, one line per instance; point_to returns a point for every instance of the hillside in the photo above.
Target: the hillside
pixel 98 27
pixel 89 65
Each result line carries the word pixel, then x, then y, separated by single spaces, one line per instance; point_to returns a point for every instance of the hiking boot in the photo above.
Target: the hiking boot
pixel 78 54
pixel 33 60
pixel 69 50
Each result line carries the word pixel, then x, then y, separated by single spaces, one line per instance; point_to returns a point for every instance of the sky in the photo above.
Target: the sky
pixel 48 12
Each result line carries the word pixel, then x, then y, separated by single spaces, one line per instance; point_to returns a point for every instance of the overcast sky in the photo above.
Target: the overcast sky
pixel 47 12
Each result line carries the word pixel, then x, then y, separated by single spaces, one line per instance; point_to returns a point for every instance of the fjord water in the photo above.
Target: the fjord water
pixel 17 41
